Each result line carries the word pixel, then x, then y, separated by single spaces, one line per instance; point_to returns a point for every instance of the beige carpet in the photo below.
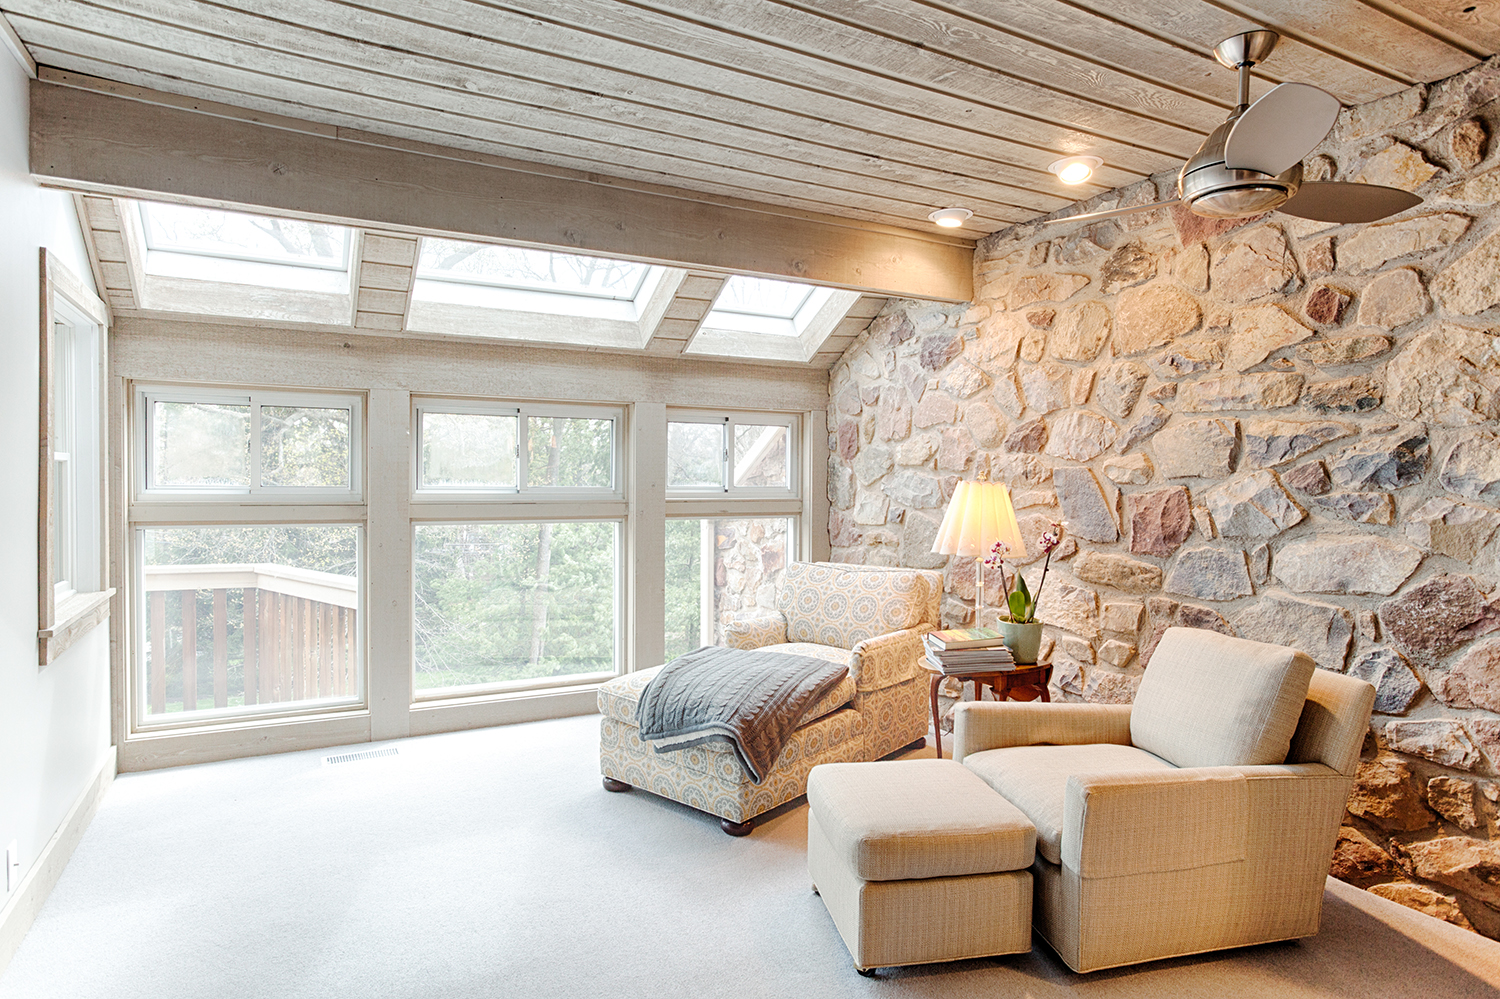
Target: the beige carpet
pixel 491 863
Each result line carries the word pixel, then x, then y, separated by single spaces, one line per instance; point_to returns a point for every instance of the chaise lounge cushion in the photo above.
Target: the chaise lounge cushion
pixel 914 819
pixel 1035 780
pixel 618 698
pixel 1192 712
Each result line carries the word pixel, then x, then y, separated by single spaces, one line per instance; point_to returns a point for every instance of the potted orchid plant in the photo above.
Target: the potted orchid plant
pixel 1020 629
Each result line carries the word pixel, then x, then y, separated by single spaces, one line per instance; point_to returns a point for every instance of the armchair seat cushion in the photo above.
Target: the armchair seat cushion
pixel 1035 780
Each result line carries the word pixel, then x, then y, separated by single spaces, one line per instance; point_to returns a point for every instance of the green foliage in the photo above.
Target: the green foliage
pixel 684 587
pixel 1021 603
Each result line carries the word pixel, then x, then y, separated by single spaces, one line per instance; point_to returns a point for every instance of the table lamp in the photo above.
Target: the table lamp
pixel 979 514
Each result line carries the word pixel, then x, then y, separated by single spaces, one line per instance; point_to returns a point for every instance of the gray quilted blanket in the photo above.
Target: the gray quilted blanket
pixel 751 698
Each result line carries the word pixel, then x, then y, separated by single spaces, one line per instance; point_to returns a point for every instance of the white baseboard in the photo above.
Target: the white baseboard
pixel 21 911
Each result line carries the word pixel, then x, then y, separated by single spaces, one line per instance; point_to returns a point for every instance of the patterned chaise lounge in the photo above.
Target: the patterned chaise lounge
pixel 872 618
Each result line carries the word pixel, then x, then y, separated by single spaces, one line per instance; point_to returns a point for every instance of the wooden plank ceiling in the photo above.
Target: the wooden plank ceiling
pixel 879 110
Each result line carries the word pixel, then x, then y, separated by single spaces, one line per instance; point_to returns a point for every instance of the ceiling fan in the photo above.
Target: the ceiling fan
pixel 1253 162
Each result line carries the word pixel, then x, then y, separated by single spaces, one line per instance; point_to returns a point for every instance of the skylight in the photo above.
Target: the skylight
pixel 530 270
pixel 213 232
pixel 751 296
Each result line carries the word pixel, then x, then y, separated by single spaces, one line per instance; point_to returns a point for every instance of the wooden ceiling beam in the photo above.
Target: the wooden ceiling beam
pixel 149 144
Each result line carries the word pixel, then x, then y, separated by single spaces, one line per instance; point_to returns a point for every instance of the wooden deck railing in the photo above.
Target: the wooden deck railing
pixel 297 626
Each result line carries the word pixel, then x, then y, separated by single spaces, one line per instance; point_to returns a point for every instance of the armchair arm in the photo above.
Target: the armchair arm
pixel 981 725
pixel 1152 821
pixel 887 659
pixel 751 631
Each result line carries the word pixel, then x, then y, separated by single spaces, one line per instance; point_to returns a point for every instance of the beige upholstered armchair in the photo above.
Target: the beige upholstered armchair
pixel 1203 816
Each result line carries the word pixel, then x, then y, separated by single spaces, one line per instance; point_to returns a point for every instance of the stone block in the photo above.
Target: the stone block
pixel 1347 564
pixel 1457 530
pixel 841 487
pixel 955 451
pixel 1323 631
pixel 1107 687
pixel 1196 448
pixel 1355 394
pixel 1441 740
pixel 1026 438
pixel 1080 332
pixel 1148 423
pixel 1265 390
pixel 1449 375
pixel 1332 352
pixel 1210 574
pixel 1252 506
pixel 1151 316
pixel 1458 801
pixel 984 423
pixel 1070 607
pixel 871 463
pixel 914 490
pixel 1387 794
pixel 1310 477
pixel 1460 862
pixel 1472 468
pixel 1474 680
pixel 1272 442
pixel 1133 469
pixel 935 409
pixel 1425 900
pixel 1006 394
pixel 892 330
pixel 1119 571
pixel 918 532
pixel 1047 387
pixel 1467 143
pixel 1325 305
pixel 1088 513
pixel 1393 299
pixel 1471 284
pixel 1119 387
pixel 963 380
pixel 917 451
pixel 1257 264
pixel 1371 246
pixel 1079 649
pixel 1259 332
pixel 1128 265
pixel 1357 860
pixel 1080 435
pixel 1160 521
pixel 1359 508
pixel 1396 686
pixel 1013 291
pixel 1389 462
pixel 1440 614
pixel 871 508
pixel 1116 653
pixel 1122 618
pixel 1397 165
pixel 1188 357
pixel 939 349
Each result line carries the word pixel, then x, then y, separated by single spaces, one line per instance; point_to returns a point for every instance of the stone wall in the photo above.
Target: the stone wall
pixel 1273 428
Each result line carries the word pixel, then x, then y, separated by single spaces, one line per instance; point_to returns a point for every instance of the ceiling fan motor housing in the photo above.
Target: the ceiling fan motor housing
pixel 1209 188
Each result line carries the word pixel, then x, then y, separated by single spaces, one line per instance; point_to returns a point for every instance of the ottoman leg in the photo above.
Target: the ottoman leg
pixel 610 784
pixel 737 828
pixel 867 972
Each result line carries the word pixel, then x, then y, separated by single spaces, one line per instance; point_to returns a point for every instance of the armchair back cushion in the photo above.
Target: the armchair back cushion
pixel 1210 700
pixel 843 605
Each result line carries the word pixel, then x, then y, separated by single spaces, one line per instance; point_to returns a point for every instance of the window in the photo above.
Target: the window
pixel 209 261
pixel 768 319
pixel 749 454
pixel 199 444
pixel 241 616
pixel 518 450
pixel 721 564
pixel 499 292
pixel 71 527
pixel 524 588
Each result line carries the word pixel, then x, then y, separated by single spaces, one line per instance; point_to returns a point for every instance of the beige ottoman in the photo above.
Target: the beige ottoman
pixel 919 861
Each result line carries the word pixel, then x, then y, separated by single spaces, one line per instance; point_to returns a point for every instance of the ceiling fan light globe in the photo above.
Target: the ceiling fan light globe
pixel 1238 202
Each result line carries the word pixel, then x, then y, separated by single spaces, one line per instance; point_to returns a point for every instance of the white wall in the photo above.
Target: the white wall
pixel 54 722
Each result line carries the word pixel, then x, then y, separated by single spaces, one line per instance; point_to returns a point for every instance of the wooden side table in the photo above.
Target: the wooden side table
pixel 1024 683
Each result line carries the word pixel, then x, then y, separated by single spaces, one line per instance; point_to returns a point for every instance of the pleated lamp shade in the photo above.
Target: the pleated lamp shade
pixel 979 514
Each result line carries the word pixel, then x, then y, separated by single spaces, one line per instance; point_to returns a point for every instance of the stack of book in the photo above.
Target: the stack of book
pixel 965 651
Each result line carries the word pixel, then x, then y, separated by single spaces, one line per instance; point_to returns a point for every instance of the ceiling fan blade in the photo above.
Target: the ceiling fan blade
pixel 1330 201
pixel 1111 213
pixel 1280 128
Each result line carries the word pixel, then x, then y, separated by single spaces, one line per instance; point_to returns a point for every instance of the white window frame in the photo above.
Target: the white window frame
pixel 729 421
pixel 144 491
pixel 72 501
pixel 522 492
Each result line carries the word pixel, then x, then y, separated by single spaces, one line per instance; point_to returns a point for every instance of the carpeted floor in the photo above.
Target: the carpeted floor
pixel 491 863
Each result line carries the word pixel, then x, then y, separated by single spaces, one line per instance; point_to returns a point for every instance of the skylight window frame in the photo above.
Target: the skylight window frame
pixel 729 421
pixel 350 237
pixel 796 314
pixel 144 491
pixel 523 491
pixel 647 272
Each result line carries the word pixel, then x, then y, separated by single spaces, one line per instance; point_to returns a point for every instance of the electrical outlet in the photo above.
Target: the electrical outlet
pixel 12 867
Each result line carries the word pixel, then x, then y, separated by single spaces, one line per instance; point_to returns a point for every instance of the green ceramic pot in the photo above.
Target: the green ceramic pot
pixel 1023 640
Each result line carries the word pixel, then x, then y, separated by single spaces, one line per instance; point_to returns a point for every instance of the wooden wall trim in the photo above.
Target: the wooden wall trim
pixel 91 141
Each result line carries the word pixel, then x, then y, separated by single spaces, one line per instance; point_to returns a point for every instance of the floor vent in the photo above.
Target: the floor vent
pixel 368 754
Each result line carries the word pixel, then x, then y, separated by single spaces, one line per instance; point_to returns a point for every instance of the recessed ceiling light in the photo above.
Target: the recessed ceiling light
pixel 951 218
pixel 1075 169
